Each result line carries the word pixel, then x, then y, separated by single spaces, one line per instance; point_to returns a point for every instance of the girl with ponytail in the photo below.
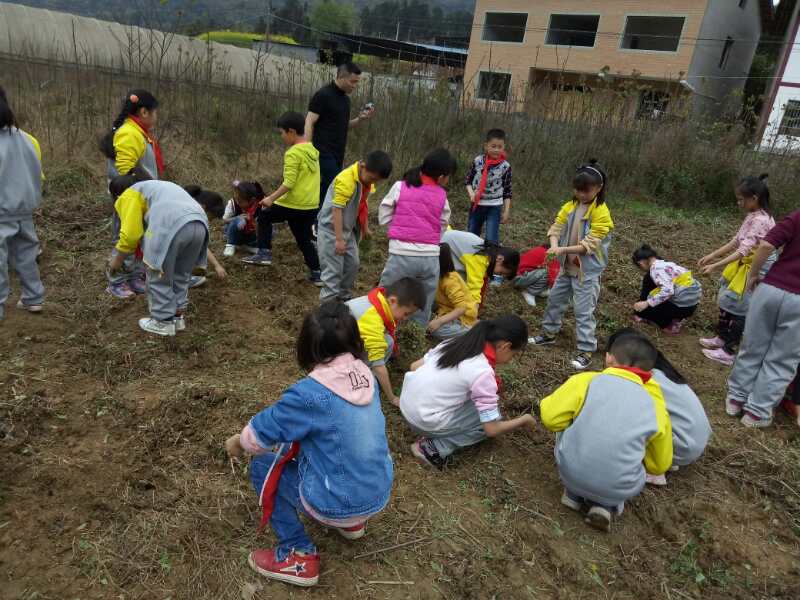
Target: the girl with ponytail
pixel 129 146
pixel 451 395
pixel 670 294
pixel 734 259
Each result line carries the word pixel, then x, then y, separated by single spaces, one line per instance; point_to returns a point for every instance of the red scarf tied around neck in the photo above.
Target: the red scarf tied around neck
pixel 153 143
pixel 491 355
pixel 645 376
pixel 488 163
pixel 374 298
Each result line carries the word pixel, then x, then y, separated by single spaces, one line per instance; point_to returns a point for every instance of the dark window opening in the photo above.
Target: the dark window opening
pixel 790 123
pixel 572 30
pixel 652 104
pixel 726 53
pixel 494 86
pixel 657 34
pixel 505 27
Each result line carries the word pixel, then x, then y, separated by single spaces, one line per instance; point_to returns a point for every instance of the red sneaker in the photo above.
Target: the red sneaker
pixel 297 569
pixel 352 533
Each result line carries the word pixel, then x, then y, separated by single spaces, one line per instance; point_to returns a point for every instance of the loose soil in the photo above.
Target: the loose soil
pixel 114 482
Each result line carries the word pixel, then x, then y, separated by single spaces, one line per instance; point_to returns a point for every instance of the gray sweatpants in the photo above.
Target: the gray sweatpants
pixel 770 352
pixel 19 248
pixel 450 330
pixel 584 295
pixel 132 268
pixel 534 282
pixel 424 269
pixel 464 430
pixel 168 291
pixel 338 271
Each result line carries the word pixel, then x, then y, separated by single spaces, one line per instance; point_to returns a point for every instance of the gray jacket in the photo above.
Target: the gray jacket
pixel 20 175
pixel 349 211
pixel 690 427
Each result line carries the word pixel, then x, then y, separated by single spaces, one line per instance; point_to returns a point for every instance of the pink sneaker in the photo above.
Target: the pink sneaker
pixel 352 533
pixel 719 355
pixel 754 422
pixel 659 480
pixel 733 407
pixel 673 328
pixel 712 343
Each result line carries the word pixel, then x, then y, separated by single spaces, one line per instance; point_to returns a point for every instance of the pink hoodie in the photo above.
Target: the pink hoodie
pixel 346 376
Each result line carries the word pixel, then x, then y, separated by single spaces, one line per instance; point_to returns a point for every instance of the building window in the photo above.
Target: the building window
pixel 570 87
pixel 652 104
pixel 494 86
pixel 656 34
pixel 572 30
pixel 790 123
pixel 505 27
pixel 726 53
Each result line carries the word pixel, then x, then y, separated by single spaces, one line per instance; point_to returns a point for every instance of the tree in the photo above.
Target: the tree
pixel 329 15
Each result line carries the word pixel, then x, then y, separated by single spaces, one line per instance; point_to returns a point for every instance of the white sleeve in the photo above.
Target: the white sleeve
pixel 446 212
pixel 388 204
pixel 230 211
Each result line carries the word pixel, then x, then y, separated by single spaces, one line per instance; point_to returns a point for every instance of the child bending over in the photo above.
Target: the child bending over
pixel 612 429
pixel 457 310
pixel 378 314
pixel 333 464
pixel 451 395
pixel 537 274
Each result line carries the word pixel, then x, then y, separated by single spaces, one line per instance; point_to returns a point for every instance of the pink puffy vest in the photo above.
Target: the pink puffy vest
pixel 418 214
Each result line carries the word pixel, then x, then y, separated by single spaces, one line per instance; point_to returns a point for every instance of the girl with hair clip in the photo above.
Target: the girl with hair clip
pixel 580 237
pixel 240 218
pixel 20 195
pixel 691 429
pixel 735 258
pixel 670 294
pixel 479 261
pixel 451 396
pixel 417 213
pixel 332 462
pixel 127 146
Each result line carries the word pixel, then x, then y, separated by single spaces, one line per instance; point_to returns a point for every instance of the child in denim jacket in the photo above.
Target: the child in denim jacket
pixel 332 463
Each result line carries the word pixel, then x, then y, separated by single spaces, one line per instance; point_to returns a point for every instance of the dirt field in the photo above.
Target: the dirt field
pixel 114 483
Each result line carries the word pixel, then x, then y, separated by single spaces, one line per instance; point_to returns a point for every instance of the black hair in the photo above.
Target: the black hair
pixel 510 256
pixel 212 202
pixel 756 186
pixel 408 291
pixel 348 68
pixel 251 190
pixel 121 183
pixel 132 104
pixel 632 348
pixel 495 134
pixel 7 118
pixel 437 163
pixel 644 252
pixel 379 162
pixel 590 175
pixel 508 328
pixel 292 120
pixel 446 264
pixel 327 332
pixel 662 363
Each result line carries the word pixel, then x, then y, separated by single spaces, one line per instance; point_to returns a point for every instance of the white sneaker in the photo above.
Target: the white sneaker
pixel 197 281
pixel 529 298
pixel 229 251
pixel 599 518
pixel 31 308
pixel 754 422
pixel 180 323
pixel 570 503
pixel 163 328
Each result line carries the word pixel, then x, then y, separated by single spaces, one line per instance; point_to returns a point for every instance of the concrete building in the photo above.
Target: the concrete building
pixel 669 56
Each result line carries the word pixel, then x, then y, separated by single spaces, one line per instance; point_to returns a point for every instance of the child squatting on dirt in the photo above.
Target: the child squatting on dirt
pixel 612 429
pixel 20 195
pixel 451 395
pixel 580 237
pixel 332 463
pixel 175 229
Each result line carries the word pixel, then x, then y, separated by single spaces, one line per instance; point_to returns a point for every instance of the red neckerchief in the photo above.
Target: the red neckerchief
pixel 374 298
pixel 152 141
pixel 488 163
pixel 491 355
pixel 270 488
pixel 250 225
pixel 645 376
pixel 428 180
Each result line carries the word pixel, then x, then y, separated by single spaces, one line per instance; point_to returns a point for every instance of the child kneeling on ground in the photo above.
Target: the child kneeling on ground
pixel 670 294
pixel 378 314
pixel 457 311
pixel 337 470
pixel 612 430
pixel 451 395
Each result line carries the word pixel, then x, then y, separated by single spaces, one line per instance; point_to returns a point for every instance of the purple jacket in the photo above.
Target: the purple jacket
pixel 417 217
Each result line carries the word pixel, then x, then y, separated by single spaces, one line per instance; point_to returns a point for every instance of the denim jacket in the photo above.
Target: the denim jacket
pixel 345 467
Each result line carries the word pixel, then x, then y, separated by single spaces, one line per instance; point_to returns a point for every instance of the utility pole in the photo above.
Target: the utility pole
pixel 397 35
